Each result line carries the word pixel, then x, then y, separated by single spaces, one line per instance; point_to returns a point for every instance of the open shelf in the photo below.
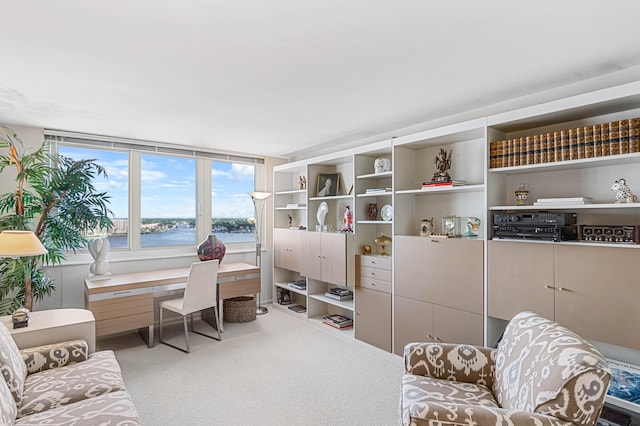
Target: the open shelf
pixel 344 304
pixel 439 189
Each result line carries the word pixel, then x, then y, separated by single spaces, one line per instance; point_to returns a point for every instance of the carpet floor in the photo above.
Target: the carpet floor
pixel 276 370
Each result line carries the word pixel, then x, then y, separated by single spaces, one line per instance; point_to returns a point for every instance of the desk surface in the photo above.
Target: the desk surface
pixel 161 277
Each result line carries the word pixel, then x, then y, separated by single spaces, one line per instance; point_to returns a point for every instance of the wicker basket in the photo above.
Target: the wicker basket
pixel 239 309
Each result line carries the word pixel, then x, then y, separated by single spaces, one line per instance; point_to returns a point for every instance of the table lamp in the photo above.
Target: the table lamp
pixel 258 204
pixel 15 244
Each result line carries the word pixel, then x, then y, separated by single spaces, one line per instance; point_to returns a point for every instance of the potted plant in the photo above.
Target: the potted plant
pixel 55 197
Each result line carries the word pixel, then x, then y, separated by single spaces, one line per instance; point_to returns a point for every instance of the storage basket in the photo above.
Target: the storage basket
pixel 239 309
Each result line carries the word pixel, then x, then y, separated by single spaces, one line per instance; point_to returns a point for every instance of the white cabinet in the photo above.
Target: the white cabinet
pixel 286 245
pixel 373 301
pixel 439 289
pixel 326 257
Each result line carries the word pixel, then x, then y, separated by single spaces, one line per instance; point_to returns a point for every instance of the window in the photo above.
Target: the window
pixel 116 185
pixel 160 195
pixel 231 206
pixel 168 200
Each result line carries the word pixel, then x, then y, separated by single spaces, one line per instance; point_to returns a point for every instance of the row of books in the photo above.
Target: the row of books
pixel 560 201
pixel 339 293
pixel 338 321
pixel 452 182
pixel 298 284
pixel 377 190
pixel 599 140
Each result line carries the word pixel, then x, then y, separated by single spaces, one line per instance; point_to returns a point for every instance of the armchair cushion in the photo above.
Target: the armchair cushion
pixel 45 357
pixel 545 368
pixel 115 408
pixel 462 363
pixel 99 374
pixel 8 408
pixel 12 367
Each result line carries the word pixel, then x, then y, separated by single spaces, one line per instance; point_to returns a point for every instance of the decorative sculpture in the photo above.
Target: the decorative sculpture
pixel 623 192
pixel 443 164
pixel 347 221
pixel 99 248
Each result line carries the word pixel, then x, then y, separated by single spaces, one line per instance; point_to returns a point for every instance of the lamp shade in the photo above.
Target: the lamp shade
pixel 20 244
pixel 260 195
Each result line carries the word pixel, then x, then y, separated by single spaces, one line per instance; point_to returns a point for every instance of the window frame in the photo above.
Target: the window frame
pixel 203 179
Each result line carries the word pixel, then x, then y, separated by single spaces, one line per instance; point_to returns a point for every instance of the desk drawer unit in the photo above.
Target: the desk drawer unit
pixel 119 311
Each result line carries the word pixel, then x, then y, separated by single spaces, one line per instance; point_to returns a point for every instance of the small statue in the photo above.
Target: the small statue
pixel 290 220
pixel 623 192
pixel 347 221
pixel 443 164
pixel 99 248
pixel 302 182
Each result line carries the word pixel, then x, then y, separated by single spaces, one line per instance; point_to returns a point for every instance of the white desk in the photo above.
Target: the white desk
pixel 125 302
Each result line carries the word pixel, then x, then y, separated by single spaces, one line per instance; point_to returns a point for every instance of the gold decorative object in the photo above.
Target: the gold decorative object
pixel 382 241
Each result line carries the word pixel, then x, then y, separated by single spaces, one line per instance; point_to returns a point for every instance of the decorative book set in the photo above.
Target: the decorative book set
pixel 599 140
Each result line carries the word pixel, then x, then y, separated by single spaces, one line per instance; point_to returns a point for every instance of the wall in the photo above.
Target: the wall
pixel 69 277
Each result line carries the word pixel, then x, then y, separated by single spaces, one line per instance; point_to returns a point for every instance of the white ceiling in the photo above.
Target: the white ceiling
pixel 281 77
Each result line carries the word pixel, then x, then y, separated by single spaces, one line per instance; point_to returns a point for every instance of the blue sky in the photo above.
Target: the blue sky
pixel 168 184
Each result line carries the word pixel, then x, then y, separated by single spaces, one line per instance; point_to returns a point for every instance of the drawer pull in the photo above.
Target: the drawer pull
pixel 120 293
pixel 239 277
pixel 549 286
pixel 373 284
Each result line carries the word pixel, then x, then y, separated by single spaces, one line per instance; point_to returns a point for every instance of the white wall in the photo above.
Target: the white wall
pixel 69 277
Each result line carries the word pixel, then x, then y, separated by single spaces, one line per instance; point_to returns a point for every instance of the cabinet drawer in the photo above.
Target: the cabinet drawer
pixel 374 284
pixel 375 262
pixel 375 273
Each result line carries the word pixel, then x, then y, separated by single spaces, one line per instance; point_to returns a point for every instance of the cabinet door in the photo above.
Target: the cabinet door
pixel 447 272
pixel 311 260
pixel 518 273
pixel 373 318
pixel 457 326
pixel 334 258
pixel 413 322
pixel 598 292
pixel 286 249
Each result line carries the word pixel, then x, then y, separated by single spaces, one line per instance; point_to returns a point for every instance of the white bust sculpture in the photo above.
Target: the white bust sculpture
pixel 99 248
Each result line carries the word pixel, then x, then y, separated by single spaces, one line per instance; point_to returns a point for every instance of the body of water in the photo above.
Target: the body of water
pixel 179 236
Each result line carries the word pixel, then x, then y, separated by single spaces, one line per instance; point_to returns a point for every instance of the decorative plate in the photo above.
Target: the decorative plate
pixel 386 213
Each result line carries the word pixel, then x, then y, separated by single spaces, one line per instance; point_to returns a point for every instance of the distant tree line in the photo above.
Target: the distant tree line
pixel 218 224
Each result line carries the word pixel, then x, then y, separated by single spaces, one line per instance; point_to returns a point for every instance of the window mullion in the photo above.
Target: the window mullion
pixel 135 200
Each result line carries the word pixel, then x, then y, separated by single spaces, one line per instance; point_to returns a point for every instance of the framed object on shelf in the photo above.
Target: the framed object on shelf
pixel 328 184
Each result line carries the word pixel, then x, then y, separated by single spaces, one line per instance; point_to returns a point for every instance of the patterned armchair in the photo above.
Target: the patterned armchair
pixel 61 383
pixel 541 374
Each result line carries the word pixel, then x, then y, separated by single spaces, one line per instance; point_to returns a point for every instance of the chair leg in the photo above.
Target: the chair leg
pixel 186 333
pixel 218 321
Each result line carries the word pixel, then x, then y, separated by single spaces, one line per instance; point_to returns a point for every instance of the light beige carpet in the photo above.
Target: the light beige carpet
pixel 276 370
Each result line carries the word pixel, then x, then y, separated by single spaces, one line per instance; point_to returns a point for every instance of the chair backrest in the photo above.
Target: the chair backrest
pixel 201 289
pixel 545 368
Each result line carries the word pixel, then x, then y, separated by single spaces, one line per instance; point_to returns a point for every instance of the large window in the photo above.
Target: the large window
pixel 116 164
pixel 231 206
pixel 158 198
pixel 167 200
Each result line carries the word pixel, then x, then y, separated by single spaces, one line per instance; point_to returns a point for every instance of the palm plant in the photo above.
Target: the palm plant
pixel 55 197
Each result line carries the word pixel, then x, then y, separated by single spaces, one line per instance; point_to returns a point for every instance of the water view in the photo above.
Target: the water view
pixel 183 232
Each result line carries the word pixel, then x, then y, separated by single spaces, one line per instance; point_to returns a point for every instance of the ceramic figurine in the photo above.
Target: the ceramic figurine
pixel 623 192
pixel 347 221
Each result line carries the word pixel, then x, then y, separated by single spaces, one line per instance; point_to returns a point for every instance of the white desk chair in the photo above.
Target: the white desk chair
pixel 200 293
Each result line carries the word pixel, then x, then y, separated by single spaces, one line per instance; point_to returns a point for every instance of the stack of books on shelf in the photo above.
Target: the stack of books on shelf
pixel 338 321
pixel 377 190
pixel 339 293
pixel 298 308
pixel 295 205
pixel 625 382
pixel 298 284
pixel 567 200
pixel 452 182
